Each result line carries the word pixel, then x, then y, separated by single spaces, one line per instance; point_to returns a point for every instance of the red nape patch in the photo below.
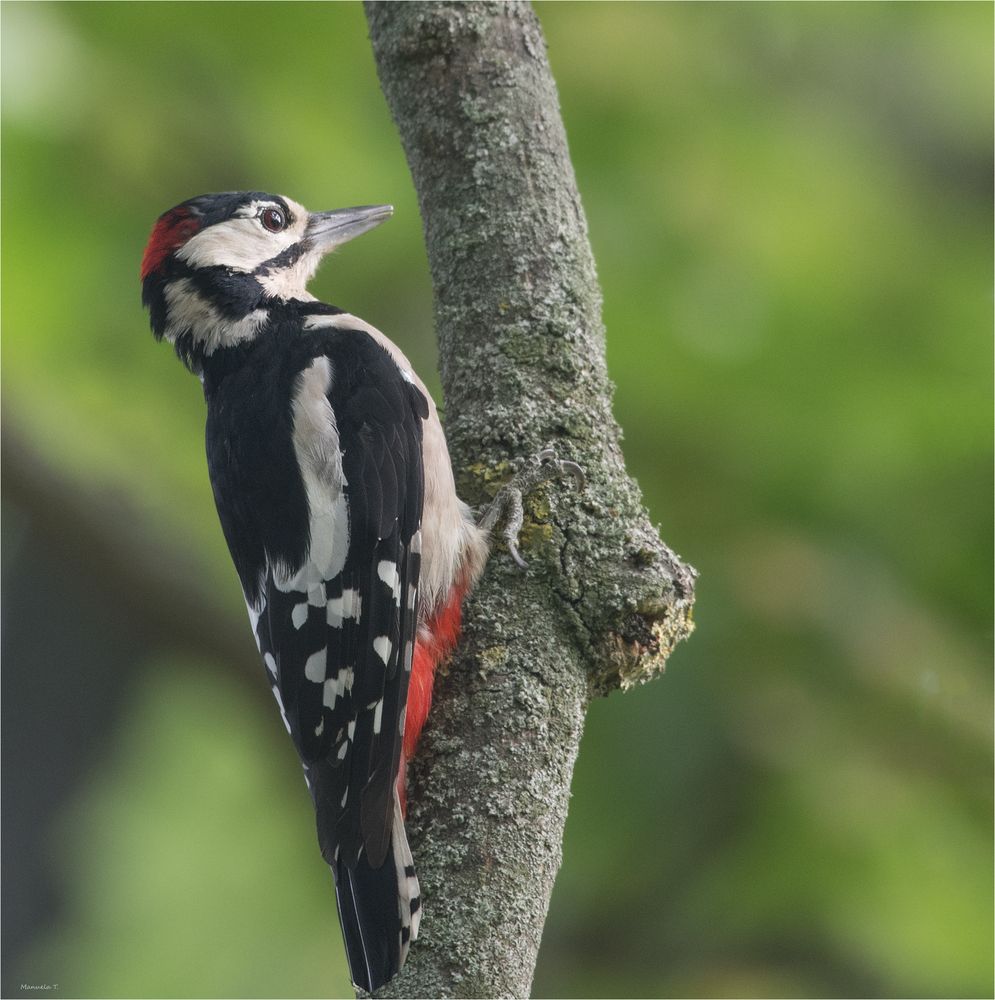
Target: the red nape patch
pixel 171 231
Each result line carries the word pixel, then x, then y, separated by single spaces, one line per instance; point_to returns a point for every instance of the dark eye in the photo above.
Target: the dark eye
pixel 273 220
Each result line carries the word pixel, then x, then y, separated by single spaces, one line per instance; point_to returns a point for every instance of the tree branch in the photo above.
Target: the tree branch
pixel 523 365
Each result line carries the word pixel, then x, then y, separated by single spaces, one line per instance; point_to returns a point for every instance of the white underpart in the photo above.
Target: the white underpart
pixel 452 541
pixel 241 243
pixel 316 445
pixel 188 311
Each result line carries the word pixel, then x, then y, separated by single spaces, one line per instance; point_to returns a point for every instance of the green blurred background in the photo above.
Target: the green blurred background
pixel 791 209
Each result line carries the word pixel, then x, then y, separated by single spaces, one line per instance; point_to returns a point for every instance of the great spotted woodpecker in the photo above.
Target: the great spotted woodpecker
pixel 336 496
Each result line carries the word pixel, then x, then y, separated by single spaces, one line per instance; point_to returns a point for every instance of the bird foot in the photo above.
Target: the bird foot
pixel 507 505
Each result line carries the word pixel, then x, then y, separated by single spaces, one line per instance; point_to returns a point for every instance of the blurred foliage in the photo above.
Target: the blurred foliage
pixel 791 209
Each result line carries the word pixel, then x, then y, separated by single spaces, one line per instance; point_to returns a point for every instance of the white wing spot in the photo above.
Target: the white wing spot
pixel 283 712
pixel 357 603
pixel 299 615
pixel 320 728
pixel 336 686
pixel 331 693
pixel 343 750
pixel 346 606
pixel 378 716
pixel 255 615
pixel 270 664
pixel 382 647
pixel 333 612
pixel 387 571
pixel 314 669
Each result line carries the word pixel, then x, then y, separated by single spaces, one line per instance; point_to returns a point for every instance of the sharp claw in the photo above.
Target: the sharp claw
pixel 516 555
pixel 562 465
pixel 576 471
pixel 508 502
pixel 516 517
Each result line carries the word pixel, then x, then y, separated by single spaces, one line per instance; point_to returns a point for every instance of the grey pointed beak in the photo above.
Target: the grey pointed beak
pixel 328 230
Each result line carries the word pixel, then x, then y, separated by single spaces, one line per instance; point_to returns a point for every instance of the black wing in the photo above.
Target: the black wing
pixel 315 457
pixel 338 646
pixel 339 649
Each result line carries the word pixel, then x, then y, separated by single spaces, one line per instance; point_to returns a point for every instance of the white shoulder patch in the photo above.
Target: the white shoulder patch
pixel 316 445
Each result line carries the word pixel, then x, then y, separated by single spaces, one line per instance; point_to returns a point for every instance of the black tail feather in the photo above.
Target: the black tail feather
pixel 379 910
pixel 368 913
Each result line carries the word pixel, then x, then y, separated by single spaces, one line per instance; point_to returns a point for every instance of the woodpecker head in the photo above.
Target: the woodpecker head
pixel 215 264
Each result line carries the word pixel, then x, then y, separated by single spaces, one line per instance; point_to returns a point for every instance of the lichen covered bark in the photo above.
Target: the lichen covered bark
pixel 521 340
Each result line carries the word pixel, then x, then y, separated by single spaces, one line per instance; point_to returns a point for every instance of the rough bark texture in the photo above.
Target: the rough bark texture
pixel 523 366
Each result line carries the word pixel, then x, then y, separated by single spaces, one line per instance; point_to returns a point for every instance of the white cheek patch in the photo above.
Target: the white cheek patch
pixel 238 243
